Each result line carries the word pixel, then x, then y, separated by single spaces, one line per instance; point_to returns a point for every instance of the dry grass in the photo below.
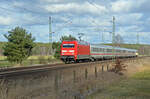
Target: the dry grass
pixel 135 86
pixel 3 89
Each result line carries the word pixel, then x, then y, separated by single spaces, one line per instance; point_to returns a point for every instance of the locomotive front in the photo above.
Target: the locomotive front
pixel 68 51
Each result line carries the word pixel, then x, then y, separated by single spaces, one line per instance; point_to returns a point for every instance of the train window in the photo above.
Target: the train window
pixel 68 45
pixel 109 50
pixel 94 49
pixel 119 51
pixel 100 49
pixel 103 50
pixel 97 49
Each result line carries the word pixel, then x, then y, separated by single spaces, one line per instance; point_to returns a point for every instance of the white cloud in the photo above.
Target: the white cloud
pixel 126 5
pixel 5 20
pixel 61 1
pixel 120 6
pixel 50 1
pixel 17 4
pixel 131 18
pixel 76 8
pixel 125 30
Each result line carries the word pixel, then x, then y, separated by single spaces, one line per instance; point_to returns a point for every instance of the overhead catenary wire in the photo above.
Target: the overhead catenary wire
pixel 37 13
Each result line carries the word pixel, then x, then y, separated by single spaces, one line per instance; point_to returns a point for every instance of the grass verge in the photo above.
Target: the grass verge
pixel 135 87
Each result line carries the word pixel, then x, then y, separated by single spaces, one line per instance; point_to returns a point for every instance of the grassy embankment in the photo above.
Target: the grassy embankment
pixel 136 86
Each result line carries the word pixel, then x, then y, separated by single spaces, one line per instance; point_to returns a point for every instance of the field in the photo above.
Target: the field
pixel 135 86
pixel 32 60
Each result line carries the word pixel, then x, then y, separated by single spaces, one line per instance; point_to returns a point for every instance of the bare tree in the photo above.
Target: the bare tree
pixel 118 39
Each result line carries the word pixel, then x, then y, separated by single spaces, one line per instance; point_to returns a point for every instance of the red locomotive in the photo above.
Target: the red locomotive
pixel 75 51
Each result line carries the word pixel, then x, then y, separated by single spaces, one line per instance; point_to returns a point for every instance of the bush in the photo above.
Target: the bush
pixel 57 48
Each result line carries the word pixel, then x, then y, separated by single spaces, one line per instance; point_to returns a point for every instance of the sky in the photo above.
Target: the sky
pixel 93 18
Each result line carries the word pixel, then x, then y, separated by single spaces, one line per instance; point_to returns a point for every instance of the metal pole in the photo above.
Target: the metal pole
pixel 113 33
pixel 103 37
pixel 50 35
pixel 113 36
pixel 137 38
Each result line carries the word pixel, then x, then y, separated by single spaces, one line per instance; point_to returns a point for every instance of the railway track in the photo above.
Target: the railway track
pixel 18 71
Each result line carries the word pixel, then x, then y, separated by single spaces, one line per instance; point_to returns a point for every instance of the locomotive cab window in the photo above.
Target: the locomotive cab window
pixel 68 45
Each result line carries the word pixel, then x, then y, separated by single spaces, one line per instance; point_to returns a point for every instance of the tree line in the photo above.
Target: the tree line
pixel 20 45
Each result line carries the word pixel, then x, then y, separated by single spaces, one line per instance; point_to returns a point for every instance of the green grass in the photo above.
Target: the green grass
pixel 2 57
pixel 135 87
pixel 32 60
pixel 5 64
pixel 145 75
pixel 31 57
pixel 45 57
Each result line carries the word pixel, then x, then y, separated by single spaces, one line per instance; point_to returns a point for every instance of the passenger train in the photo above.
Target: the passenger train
pixel 76 51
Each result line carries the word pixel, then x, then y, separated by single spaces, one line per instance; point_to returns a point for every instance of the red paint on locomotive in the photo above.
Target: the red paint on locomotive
pixel 74 50
pixel 83 49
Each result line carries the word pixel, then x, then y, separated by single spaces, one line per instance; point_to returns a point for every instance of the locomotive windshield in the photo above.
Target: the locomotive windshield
pixel 68 45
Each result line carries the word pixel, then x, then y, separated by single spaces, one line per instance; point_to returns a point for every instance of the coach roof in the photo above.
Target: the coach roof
pixel 110 47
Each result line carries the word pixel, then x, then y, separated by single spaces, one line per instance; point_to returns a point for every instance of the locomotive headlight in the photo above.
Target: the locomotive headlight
pixel 64 50
pixel 71 51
